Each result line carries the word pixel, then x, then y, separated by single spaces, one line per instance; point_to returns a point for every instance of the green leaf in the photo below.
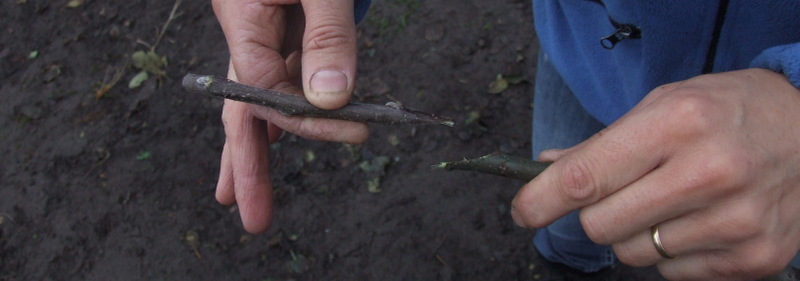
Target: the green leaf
pixel 144 155
pixel 33 54
pixel 149 61
pixel 472 116
pixel 310 156
pixel 74 3
pixel 374 185
pixel 137 80
pixel 378 164
pixel 516 79
pixel 499 85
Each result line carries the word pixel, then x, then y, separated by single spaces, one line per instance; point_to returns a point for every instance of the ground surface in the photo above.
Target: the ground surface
pixel 121 187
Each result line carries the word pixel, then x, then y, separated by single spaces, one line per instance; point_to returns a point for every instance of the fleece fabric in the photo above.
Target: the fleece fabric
pixel 659 42
pixel 361 7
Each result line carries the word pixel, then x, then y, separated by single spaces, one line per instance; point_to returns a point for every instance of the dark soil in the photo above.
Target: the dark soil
pixel 121 187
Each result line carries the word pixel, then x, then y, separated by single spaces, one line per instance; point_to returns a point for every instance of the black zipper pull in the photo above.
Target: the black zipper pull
pixel 624 31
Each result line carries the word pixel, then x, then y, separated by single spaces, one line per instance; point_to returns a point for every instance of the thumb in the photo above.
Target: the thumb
pixel 329 52
pixel 552 155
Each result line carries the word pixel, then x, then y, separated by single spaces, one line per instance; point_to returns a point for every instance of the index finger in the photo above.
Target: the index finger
pixel 596 168
pixel 254 31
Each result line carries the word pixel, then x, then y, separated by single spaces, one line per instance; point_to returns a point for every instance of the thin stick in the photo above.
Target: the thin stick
pixel 166 24
pixel 498 164
pixel 295 105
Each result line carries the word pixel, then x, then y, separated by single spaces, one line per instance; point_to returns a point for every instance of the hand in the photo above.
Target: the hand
pixel 281 45
pixel 713 161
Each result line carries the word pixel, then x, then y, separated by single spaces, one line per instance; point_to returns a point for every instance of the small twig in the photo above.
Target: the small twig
pixel 441 260
pixel 498 164
pixel 166 24
pixel 295 105
pixel 107 84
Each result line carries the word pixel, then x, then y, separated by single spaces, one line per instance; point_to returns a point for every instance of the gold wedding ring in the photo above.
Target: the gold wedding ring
pixel 657 242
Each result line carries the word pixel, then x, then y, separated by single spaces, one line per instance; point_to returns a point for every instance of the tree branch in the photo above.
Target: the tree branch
pixel 498 164
pixel 295 105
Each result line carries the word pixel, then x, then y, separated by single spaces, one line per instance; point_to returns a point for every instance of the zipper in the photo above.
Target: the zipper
pixel 708 67
pixel 624 31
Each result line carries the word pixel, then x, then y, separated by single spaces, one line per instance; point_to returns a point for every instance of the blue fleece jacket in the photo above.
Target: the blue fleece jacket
pixel 651 43
pixel 612 53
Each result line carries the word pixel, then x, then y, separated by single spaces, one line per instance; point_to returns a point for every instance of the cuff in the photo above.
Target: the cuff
pixel 361 7
pixel 782 59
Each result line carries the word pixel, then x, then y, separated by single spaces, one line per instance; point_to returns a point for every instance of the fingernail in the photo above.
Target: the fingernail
pixel 515 215
pixel 328 81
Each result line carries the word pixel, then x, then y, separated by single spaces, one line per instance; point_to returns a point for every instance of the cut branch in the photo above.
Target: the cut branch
pixel 498 164
pixel 295 105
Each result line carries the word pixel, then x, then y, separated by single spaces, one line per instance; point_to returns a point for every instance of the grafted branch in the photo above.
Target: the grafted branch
pixel 295 105
pixel 498 164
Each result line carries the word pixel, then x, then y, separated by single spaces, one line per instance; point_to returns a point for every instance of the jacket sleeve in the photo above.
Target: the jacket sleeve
pixel 361 7
pixel 782 59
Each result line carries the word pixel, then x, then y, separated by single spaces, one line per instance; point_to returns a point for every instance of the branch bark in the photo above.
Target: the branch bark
pixel 295 105
pixel 498 164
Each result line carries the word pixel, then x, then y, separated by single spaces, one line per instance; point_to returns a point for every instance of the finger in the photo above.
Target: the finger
pixel 293 68
pixel 552 155
pixel 684 182
pixel 249 156
pixel 329 52
pixel 313 128
pixel 274 133
pixel 712 229
pixel 224 193
pixel 319 129
pixel 254 31
pixel 751 263
pixel 594 169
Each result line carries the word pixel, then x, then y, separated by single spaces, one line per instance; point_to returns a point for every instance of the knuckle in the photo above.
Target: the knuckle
pixel 722 264
pixel 628 256
pixel 596 232
pixel 741 225
pixel 723 170
pixel 764 260
pixel 757 261
pixel 327 34
pixel 692 112
pixel 314 129
pixel 577 182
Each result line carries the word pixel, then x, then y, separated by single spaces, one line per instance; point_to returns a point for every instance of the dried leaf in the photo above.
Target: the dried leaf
pixel 101 92
pixel 137 80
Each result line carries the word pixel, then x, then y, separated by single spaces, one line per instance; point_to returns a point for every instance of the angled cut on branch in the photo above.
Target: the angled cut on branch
pixel 498 164
pixel 295 105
